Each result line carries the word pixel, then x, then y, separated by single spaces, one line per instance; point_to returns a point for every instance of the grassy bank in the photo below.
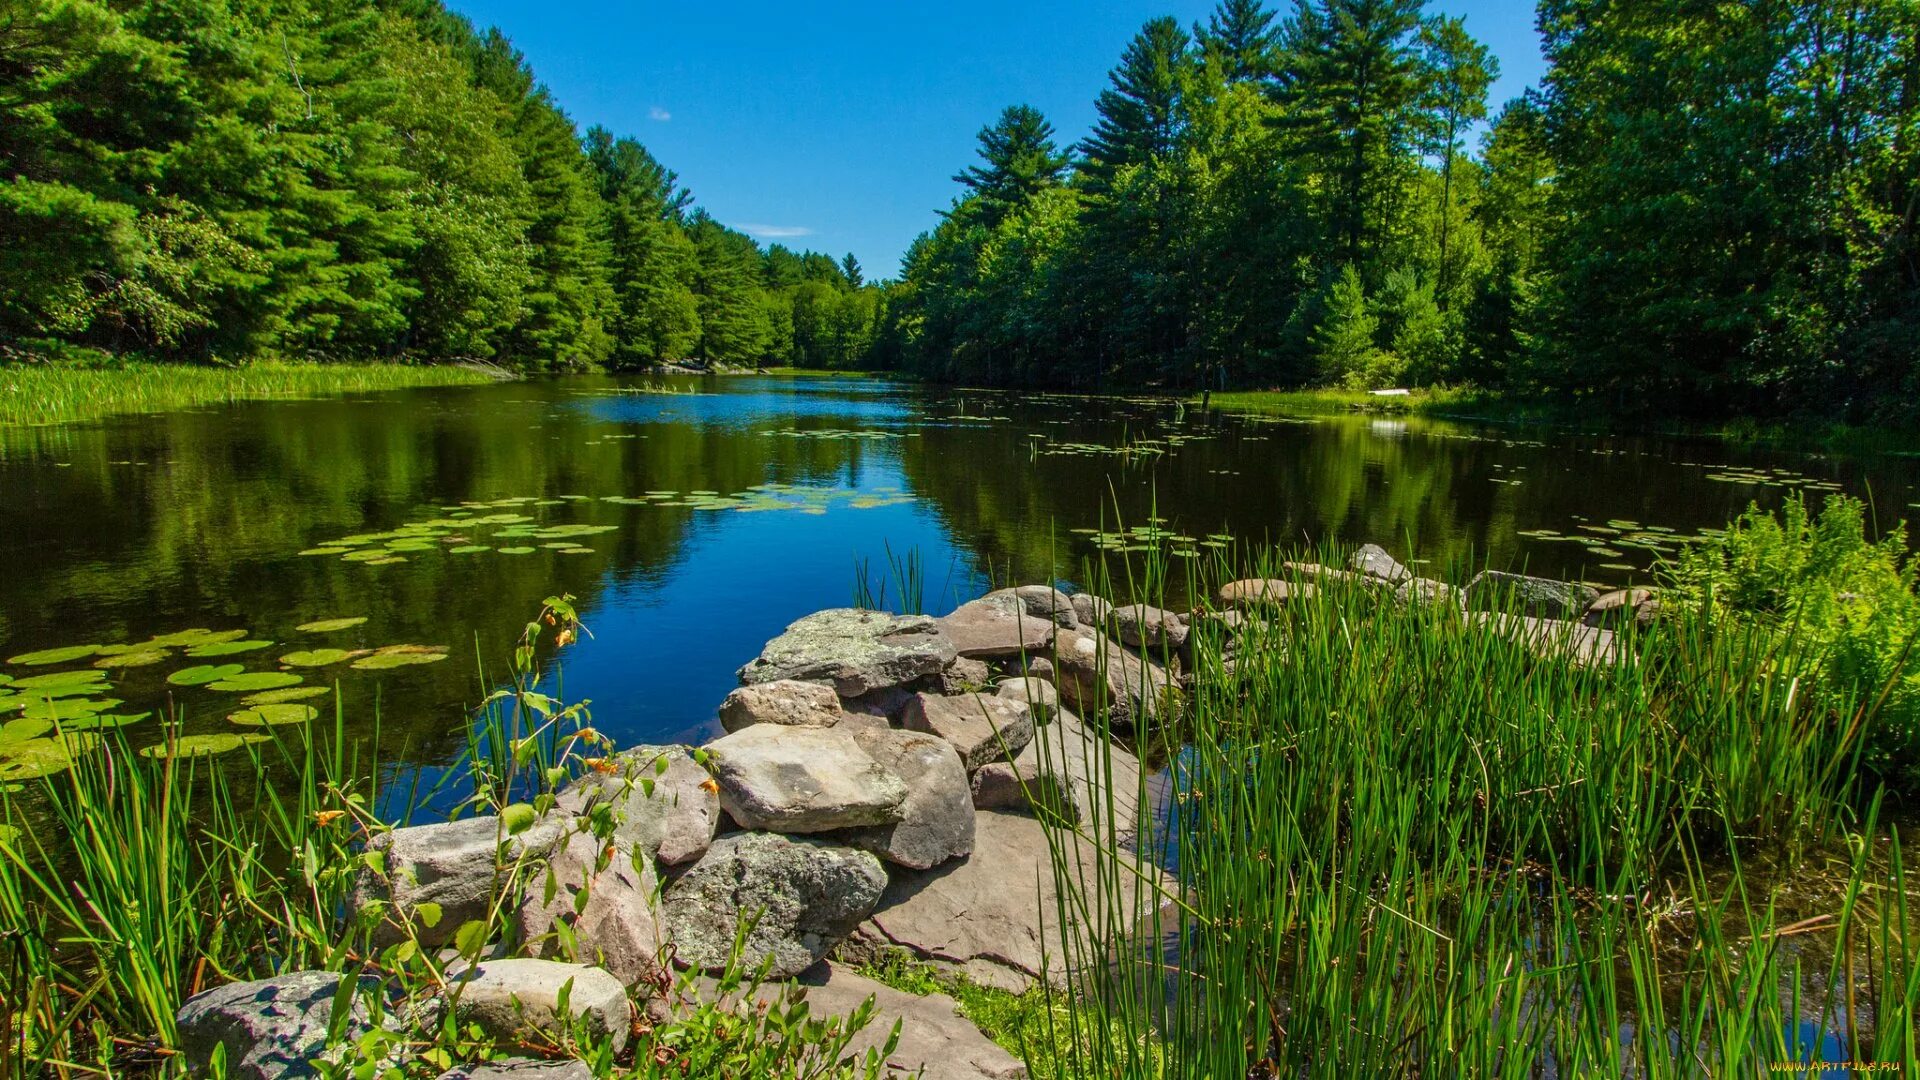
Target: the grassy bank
pixel 62 393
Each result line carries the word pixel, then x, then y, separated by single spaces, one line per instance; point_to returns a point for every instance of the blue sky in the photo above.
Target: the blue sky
pixel 838 126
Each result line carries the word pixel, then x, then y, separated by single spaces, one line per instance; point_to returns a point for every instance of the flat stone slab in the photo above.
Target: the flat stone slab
pixel 1587 646
pixel 856 651
pixel 803 895
pixel 786 702
pixel 272 1028
pixel 934 1037
pixel 1253 592
pixel 1067 769
pixel 998 625
pixel 662 800
pixel 802 779
pixel 510 999
pixel 980 727
pixel 936 818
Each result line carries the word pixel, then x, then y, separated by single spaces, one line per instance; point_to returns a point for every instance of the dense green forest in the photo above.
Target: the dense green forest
pixel 358 179
pixel 1703 208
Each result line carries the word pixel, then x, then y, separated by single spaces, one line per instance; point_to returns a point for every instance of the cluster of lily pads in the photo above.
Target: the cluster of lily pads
pixel 1785 478
pixel 832 434
pixel 1154 535
pixel 1604 540
pixel 47 718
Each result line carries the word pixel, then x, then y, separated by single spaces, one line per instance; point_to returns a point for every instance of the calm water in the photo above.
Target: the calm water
pixel 712 519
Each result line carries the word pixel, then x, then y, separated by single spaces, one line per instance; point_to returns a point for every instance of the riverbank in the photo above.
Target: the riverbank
pixel 56 393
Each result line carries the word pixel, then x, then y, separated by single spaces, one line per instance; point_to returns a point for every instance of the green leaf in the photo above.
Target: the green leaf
pixel 204 674
pixel 316 657
pixel 517 818
pixel 227 648
pixel 54 656
pixel 328 626
pixel 428 913
pixel 271 715
pixel 255 680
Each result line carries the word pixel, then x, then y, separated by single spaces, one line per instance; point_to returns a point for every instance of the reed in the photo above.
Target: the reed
pixel 49 393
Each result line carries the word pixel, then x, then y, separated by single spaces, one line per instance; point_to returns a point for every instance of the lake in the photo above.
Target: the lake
pixel 694 524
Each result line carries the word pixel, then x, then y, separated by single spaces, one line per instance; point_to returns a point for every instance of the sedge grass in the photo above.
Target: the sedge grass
pixel 32 394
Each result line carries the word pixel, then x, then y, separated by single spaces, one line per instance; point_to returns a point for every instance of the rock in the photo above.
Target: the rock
pixel 1495 590
pixel 1038 667
pixel 616 924
pixel 1041 696
pixel 1373 561
pixel 1327 575
pixel 1094 673
pixel 511 1000
pixel 520 1069
pixel 997 625
pixel 271 1028
pixel 1250 592
pixel 1044 601
pixel 1622 608
pixel 1419 590
pixel 889 703
pixel 454 864
pixel 979 727
pixel 1066 770
pixel 1149 628
pixel 985 915
pixel 802 779
pixel 936 818
pixel 663 801
pixel 786 702
pixel 807 894
pixel 965 675
pixel 936 1042
pixel 857 651
pixel 1090 610
pixel 1553 638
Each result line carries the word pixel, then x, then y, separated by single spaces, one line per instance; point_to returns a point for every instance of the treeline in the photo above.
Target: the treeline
pixel 1703 208
pixel 356 179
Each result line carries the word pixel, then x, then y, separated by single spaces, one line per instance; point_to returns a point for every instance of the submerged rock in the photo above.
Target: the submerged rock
pixel 802 779
pixel 272 1029
pixel 857 651
pixel 802 895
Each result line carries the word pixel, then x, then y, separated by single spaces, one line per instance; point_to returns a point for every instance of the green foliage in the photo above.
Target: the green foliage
pixel 1823 579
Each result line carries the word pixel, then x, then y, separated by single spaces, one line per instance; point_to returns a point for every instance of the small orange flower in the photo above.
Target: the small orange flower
pixel 564 638
pixel 709 786
pixel 603 766
pixel 324 818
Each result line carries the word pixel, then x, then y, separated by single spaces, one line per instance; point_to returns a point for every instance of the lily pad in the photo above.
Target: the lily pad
pixel 268 715
pixel 103 721
pixel 255 680
pixel 328 626
pixel 33 758
pixel 204 674
pixel 468 549
pixel 290 693
pixel 22 730
pixel 394 656
pixel 316 657
pixel 65 655
pixel 68 708
pixel 515 550
pixel 203 745
pixel 133 659
pixel 53 684
pixel 227 648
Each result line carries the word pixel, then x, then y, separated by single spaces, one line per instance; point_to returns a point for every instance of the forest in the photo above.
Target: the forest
pixel 359 180
pixel 1701 210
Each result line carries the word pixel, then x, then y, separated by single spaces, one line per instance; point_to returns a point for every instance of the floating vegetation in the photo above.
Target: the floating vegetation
pixel 317 657
pixel 291 693
pixel 203 745
pixel 55 656
pixel 273 715
pixel 227 648
pixel 30 749
pixel 203 674
pixel 256 680
pixel 852 433
pixel 328 626
pixel 394 656
pixel 132 659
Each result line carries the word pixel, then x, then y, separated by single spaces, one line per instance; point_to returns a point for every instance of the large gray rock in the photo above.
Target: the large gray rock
pixel 1428 592
pixel 980 728
pixel 1150 629
pixel 1622 608
pixel 997 625
pixel 1095 673
pixel 802 780
pixel 785 702
pixel 1090 610
pixel 1258 592
pixel 1069 770
pixel 593 904
pixel 1373 561
pixel 857 651
pixel 801 895
pixel 987 915
pixel 1043 600
pixel 936 818
pixel 1521 594
pixel 520 1069
pixel 272 1028
pixel 1041 696
pixel 936 1042
pixel 511 1000
pixel 661 799
pixel 457 865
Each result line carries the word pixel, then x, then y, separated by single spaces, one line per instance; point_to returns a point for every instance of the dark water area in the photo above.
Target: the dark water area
pixel 707 519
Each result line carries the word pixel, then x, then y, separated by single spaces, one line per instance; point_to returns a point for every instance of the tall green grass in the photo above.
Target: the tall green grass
pixel 62 393
pixel 1404 845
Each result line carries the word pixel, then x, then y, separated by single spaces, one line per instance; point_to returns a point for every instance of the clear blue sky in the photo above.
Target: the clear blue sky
pixel 837 126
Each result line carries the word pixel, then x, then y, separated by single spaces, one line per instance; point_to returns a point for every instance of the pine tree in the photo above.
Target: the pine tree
pixel 1020 160
pixel 1140 114
pixel 1240 37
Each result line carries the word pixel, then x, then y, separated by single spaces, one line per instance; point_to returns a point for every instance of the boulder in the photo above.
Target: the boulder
pixel 986 915
pixel 964 675
pixel 786 702
pixel 1041 696
pixel 511 1000
pixel 1067 770
pixel 801 895
pixel 456 865
pixel 1553 638
pixel 802 779
pixel 936 1042
pixel 662 801
pixel 1094 673
pixel 857 651
pixel 1622 608
pixel 997 625
pixel 889 703
pixel 1253 592
pixel 272 1028
pixel 1089 610
pixel 1520 594
pixel 1426 591
pixel 604 898
pixel 1038 667
pixel 936 818
pixel 520 1069
pixel 1151 629
pixel 1044 601
pixel 1327 575
pixel 1373 561
pixel 980 728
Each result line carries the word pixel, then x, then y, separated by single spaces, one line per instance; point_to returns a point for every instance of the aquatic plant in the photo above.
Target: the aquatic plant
pixel 59 393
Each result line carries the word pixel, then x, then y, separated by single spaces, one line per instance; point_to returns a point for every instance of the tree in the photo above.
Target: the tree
pixel 1240 37
pixel 1461 70
pixel 1019 160
pixel 1140 113
pixel 1344 341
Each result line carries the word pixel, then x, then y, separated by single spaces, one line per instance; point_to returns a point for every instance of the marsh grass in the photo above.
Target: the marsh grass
pixel 33 394
pixel 1401 844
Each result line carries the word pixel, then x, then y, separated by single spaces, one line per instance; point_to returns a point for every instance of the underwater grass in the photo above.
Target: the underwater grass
pixel 63 393
pixel 1403 845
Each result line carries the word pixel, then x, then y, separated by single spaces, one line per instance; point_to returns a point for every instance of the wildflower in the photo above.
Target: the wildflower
pixel 324 818
pixel 709 786
pixel 603 766
pixel 564 638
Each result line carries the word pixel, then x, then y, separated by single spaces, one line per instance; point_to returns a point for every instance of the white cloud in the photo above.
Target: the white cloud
pixel 660 114
pixel 775 232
